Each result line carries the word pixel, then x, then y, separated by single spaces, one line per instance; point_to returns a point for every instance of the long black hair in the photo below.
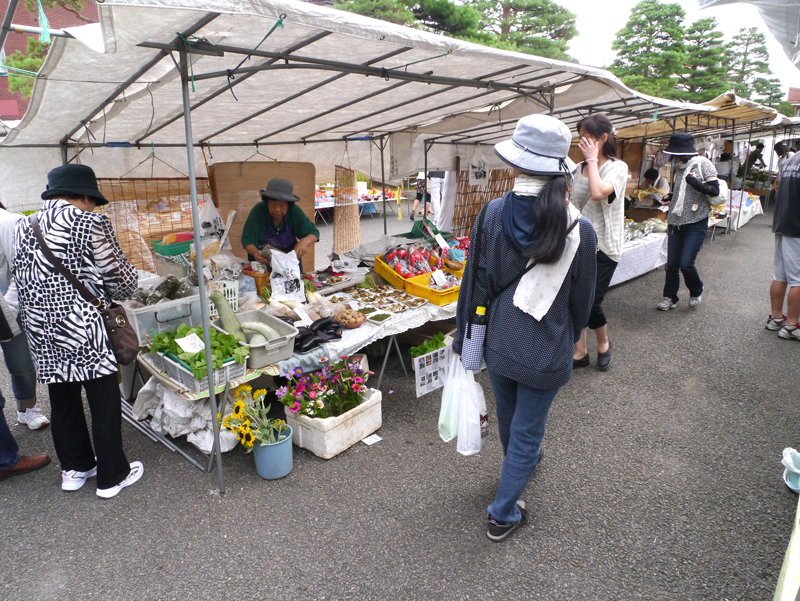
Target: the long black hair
pixel 551 222
pixel 597 125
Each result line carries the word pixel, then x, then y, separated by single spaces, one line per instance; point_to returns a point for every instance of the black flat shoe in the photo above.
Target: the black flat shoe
pixel 604 359
pixel 581 362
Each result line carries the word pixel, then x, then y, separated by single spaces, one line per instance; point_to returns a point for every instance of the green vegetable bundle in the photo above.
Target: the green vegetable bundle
pixel 223 347
pixel 428 346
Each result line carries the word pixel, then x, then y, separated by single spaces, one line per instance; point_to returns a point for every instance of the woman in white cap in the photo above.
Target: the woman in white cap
pixel 695 182
pixel 599 192
pixel 534 316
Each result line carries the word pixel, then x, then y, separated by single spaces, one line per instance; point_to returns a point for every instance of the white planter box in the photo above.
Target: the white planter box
pixel 328 437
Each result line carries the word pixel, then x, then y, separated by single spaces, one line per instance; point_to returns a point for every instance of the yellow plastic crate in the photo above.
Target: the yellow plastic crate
pixel 418 286
pixel 389 274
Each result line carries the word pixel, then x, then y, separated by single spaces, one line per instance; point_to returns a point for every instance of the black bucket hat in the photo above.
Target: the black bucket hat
pixel 681 144
pixel 279 189
pixel 73 179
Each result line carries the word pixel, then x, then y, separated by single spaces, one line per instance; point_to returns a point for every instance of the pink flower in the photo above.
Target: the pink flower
pixel 295 408
pixel 323 359
pixel 358 380
pixel 357 387
pixel 312 394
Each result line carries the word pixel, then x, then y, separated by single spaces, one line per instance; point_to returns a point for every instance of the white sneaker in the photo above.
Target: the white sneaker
pixel 666 304
pixel 789 333
pixel 695 300
pixel 137 470
pixel 72 480
pixel 33 418
pixel 775 323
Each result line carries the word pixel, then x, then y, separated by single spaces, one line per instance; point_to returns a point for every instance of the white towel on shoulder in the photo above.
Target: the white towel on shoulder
pixel 538 288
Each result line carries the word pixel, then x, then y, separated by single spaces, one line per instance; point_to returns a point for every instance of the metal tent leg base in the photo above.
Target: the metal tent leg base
pixel 393 344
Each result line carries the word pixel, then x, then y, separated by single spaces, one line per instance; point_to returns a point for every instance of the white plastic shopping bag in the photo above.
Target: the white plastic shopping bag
pixel 448 415
pixel 285 279
pixel 473 420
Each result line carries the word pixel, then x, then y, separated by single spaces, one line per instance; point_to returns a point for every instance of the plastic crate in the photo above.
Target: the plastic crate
pixel 418 286
pixel 227 373
pixel 262 280
pixel 389 274
pixel 163 317
pixel 229 289
pixel 170 250
pixel 273 351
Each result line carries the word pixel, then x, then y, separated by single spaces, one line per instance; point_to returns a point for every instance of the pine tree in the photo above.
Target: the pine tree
pixel 650 48
pixel 540 27
pixel 703 74
pixel 393 11
pixel 31 60
pixel 748 61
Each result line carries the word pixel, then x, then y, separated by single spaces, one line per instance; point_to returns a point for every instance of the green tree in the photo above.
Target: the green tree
pixel 540 27
pixel 748 62
pixel 650 48
pixel 703 74
pixel 457 20
pixel 73 6
pixel 29 61
pixel 770 92
pixel 394 11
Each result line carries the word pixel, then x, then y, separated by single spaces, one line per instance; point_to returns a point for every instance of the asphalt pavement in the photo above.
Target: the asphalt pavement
pixel 662 481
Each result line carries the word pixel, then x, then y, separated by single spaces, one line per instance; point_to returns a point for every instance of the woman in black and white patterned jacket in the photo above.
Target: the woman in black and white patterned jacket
pixel 68 340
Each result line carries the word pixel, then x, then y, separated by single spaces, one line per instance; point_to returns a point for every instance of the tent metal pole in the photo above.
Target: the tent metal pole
pixel 427 192
pixel 732 175
pixel 744 176
pixel 383 140
pixel 212 397
pixel 10 10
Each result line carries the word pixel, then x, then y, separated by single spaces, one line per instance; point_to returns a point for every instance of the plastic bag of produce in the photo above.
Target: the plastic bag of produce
pixel 448 414
pixel 473 419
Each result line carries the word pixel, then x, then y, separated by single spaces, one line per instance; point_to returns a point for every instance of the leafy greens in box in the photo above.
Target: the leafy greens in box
pixel 428 346
pixel 223 347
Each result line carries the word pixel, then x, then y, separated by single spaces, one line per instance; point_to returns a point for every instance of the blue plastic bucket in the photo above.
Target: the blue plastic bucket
pixel 274 461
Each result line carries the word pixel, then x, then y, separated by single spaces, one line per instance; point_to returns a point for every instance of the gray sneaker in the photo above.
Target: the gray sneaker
pixel 695 300
pixel 789 333
pixel 666 304
pixel 774 323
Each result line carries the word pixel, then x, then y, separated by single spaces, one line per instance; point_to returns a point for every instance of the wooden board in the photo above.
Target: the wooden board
pixel 235 186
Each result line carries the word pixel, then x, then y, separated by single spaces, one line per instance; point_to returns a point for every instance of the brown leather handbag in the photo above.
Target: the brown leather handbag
pixel 121 334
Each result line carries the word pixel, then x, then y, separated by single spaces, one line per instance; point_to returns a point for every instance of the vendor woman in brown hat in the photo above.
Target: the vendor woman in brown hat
pixel 278 222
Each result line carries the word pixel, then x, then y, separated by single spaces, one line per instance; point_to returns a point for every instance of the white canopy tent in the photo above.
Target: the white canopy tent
pixel 291 80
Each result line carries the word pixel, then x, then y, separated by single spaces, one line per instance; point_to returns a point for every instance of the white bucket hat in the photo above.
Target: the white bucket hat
pixel 539 146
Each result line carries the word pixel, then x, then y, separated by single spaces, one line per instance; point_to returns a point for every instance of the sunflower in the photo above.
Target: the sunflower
pixel 260 395
pixel 247 438
pixel 243 391
pixel 238 409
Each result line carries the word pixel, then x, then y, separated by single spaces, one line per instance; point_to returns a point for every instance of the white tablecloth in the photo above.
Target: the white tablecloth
pixel 752 207
pixel 354 340
pixel 641 256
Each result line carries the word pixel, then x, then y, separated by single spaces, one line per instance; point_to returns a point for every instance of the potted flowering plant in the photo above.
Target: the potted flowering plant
pixel 331 409
pixel 269 439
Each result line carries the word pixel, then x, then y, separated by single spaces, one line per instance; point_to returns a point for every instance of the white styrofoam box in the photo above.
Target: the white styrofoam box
pixel 328 437
pixel 163 317
pixel 273 351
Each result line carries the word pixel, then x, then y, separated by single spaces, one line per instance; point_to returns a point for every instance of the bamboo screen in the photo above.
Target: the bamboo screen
pixel 144 210
pixel 346 224
pixel 470 199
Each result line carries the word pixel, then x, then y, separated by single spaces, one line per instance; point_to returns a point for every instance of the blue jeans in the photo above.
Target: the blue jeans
pixel 9 451
pixel 23 373
pixel 521 417
pixel 684 242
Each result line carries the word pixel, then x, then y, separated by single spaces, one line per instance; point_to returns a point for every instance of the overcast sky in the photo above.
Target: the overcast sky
pixel 598 24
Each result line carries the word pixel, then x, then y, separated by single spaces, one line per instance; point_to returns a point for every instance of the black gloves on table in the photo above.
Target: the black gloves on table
pixel 709 189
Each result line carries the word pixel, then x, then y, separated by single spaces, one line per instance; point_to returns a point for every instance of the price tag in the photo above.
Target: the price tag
pixel 191 344
pixel 439 278
pixel 207 273
pixel 442 242
pixel 355 306
pixel 304 318
pixel 448 340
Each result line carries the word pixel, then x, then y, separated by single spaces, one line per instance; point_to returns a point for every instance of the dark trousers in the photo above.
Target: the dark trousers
pixel 684 242
pixel 605 271
pixel 71 436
